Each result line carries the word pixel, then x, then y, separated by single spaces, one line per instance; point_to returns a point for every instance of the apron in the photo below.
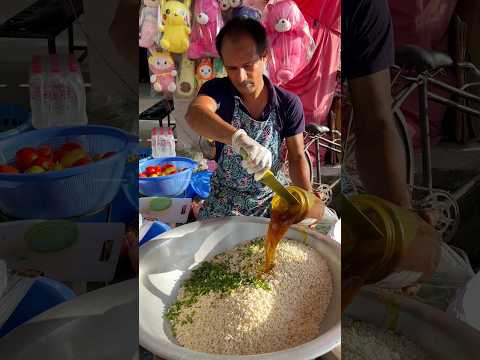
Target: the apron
pixel 233 190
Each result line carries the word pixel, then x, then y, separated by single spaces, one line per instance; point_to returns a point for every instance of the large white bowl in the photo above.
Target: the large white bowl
pixel 439 334
pixel 168 259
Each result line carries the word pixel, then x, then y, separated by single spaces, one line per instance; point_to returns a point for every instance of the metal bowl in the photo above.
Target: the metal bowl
pixel 167 260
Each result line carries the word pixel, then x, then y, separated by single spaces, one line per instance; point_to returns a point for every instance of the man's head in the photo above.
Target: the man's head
pixel 242 45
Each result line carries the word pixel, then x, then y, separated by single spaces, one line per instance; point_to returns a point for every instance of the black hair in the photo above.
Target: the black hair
pixel 243 26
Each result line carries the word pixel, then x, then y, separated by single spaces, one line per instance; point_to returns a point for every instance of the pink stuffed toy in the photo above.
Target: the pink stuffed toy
pixel 207 23
pixel 163 71
pixel 148 23
pixel 289 39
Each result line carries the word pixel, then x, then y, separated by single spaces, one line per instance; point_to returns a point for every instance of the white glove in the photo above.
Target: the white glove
pixel 259 157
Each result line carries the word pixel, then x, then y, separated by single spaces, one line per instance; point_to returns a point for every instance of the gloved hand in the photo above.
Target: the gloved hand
pixel 259 157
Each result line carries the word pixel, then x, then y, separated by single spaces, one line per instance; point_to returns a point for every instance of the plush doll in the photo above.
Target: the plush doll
pixel 204 72
pixel 148 23
pixel 247 12
pixel 175 26
pixel 207 23
pixel 186 78
pixel 218 68
pixel 290 40
pixel 162 68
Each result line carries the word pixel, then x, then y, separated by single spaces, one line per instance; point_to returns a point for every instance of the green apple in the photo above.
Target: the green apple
pixel 71 157
pixel 35 169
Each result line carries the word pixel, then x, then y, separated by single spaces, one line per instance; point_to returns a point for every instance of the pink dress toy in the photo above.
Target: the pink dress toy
pixel 207 22
pixel 148 23
pixel 163 71
pixel 290 40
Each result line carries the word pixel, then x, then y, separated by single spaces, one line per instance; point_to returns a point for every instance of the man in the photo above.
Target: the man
pixel 246 113
pixel 367 55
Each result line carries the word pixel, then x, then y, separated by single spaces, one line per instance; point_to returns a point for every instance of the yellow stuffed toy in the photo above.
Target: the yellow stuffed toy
pixel 175 26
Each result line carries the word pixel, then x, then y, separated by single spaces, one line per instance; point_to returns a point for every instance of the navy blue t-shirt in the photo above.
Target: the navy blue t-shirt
pixel 367 37
pixel 290 115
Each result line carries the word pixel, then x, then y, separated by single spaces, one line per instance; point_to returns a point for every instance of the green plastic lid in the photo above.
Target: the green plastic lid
pixel 51 236
pixel 160 203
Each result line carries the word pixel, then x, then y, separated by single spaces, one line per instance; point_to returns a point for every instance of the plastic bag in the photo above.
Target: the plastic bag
pixel 175 26
pixel 148 23
pixel 291 45
pixel 207 22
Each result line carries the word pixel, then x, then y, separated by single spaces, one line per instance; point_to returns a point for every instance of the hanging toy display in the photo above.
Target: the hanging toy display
pixel 207 22
pixel 227 7
pixel 148 23
pixel 175 26
pixel 218 68
pixel 186 78
pixel 163 71
pixel 247 12
pixel 291 45
pixel 204 72
pixel 256 4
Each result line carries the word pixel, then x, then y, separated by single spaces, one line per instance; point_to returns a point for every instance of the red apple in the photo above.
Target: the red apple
pixel 45 163
pixel 169 169
pixel 70 146
pixel 8 169
pixel 25 157
pixel 45 151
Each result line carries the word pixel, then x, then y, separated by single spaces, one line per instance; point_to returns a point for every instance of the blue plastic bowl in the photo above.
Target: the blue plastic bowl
pixel 156 229
pixel 199 185
pixel 170 185
pixel 14 120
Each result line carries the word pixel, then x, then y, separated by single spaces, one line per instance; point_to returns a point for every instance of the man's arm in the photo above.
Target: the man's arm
pixel 297 164
pixel 202 118
pixel 380 154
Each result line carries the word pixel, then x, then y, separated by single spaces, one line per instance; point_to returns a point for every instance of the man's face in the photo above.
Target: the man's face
pixel 242 63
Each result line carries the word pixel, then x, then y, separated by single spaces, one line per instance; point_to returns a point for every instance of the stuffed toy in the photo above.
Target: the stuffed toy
pixel 218 68
pixel 289 38
pixel 247 12
pixel 148 23
pixel 186 78
pixel 204 72
pixel 175 26
pixel 207 22
pixel 163 71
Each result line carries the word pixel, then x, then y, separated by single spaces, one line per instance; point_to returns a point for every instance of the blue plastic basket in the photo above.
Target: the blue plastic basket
pixel 71 192
pixel 14 120
pixel 170 185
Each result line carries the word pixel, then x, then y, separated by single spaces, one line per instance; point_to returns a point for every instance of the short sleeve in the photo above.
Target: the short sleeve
pixel 294 116
pixel 367 38
pixel 210 88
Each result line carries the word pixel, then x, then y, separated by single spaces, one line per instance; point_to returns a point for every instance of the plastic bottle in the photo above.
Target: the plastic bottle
pixel 153 142
pixel 171 140
pixel 76 93
pixel 36 91
pixel 383 260
pixel 163 143
pixel 55 95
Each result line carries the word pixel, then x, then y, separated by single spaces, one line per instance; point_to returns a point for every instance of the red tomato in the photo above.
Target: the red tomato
pixel 158 169
pixel 45 151
pixel 8 169
pixel 58 155
pixel 45 163
pixel 150 170
pixel 25 157
pixel 70 146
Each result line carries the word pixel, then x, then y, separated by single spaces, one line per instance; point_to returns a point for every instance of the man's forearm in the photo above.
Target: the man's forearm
pixel 209 125
pixel 381 162
pixel 299 172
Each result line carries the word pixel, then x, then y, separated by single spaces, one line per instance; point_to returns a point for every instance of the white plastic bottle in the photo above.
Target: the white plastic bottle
pixel 76 92
pixel 36 92
pixel 163 144
pixel 171 140
pixel 56 95
pixel 153 142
